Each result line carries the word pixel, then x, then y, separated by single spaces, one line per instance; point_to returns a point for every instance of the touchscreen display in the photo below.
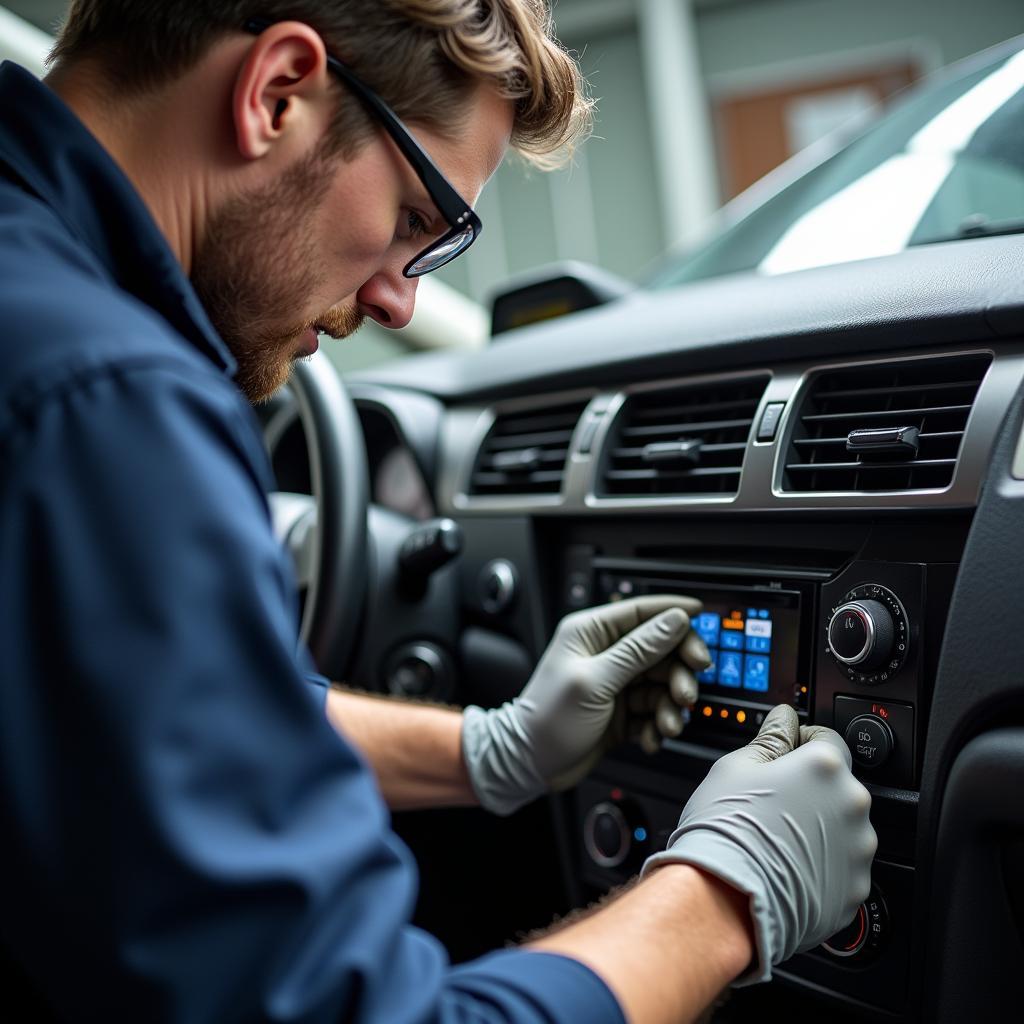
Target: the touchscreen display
pixel 753 635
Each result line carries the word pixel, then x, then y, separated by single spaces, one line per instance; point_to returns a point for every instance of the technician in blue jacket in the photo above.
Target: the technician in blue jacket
pixel 185 203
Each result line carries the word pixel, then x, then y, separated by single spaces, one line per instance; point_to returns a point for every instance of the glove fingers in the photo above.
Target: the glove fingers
pixel 643 648
pixel 695 652
pixel 649 738
pixel 682 686
pixel 642 698
pixel 591 631
pixel 668 717
pixel 778 735
pixel 822 734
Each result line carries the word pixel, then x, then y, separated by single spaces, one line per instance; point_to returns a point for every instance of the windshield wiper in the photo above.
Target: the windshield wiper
pixel 977 225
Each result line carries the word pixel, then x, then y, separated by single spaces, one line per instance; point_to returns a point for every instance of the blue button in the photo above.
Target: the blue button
pixel 730 669
pixel 732 640
pixel 755 673
pixel 763 614
pixel 759 644
pixel 711 672
pixel 707 627
pixel 751 613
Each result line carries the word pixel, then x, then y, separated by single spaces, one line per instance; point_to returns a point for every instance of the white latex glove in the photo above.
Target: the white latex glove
pixel 783 820
pixel 550 736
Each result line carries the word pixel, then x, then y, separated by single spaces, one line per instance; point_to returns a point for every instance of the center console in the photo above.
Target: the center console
pixel 850 643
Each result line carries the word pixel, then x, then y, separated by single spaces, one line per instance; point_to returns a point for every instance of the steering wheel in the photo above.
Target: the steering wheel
pixel 327 535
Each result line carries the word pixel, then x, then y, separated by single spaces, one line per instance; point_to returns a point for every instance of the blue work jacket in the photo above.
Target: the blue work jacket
pixel 185 838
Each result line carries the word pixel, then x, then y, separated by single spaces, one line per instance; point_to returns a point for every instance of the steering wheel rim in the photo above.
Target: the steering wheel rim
pixel 340 479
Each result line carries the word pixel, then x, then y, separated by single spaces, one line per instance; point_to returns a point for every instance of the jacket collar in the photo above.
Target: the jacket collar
pixel 48 151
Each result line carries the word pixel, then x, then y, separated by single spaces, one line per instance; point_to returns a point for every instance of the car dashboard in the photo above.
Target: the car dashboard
pixel 807 455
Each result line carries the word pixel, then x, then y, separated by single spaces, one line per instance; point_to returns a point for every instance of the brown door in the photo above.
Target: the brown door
pixel 756 131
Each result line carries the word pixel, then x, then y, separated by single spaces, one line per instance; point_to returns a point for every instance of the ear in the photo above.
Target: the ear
pixel 281 85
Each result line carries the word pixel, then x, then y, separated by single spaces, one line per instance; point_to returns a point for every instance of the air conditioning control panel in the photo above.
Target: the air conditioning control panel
pixel 869 673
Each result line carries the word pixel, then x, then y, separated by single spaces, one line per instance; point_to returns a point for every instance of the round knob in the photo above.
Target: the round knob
pixel 865 933
pixel 870 741
pixel 419 670
pixel 607 835
pixel 860 633
pixel 496 586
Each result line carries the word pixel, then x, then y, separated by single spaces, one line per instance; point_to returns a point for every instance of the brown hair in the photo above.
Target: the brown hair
pixel 422 56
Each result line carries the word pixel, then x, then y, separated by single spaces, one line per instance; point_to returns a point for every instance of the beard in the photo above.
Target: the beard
pixel 255 264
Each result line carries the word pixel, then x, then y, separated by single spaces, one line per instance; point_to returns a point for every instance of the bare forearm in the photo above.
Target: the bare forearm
pixel 415 750
pixel 666 947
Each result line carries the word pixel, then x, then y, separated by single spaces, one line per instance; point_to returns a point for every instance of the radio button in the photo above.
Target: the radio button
pixel 870 741
pixel 607 836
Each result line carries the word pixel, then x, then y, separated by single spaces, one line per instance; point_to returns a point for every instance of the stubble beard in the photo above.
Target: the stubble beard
pixel 256 264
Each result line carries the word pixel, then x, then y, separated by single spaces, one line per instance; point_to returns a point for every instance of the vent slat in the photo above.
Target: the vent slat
pixel 719 414
pixel 906 389
pixel 554 437
pixel 636 453
pixel 542 435
pixel 821 442
pixel 815 467
pixel 883 395
pixel 668 474
pixel 892 414
pixel 679 429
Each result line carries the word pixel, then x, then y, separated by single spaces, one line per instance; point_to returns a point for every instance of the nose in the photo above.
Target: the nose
pixel 389 298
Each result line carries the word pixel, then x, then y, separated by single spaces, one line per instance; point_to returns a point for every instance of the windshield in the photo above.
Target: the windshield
pixel 947 162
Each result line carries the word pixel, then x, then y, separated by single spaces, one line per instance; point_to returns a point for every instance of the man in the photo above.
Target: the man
pixel 196 191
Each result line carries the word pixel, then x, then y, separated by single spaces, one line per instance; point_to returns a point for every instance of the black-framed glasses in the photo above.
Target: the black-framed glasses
pixel 464 225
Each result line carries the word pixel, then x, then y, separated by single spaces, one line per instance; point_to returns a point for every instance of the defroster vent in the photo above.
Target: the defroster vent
pixel 525 452
pixel 684 441
pixel 884 427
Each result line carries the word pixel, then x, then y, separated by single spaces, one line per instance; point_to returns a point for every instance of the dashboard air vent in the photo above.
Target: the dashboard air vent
pixel 686 441
pixel 884 427
pixel 525 452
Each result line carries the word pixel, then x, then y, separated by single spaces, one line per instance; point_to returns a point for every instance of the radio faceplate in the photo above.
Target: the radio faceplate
pixel 758 630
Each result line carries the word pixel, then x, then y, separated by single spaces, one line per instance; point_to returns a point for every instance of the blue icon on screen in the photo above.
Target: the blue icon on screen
pixel 759 644
pixel 707 626
pixel 755 673
pixel 730 669
pixel 732 640
pixel 763 614
pixel 751 613
pixel 710 674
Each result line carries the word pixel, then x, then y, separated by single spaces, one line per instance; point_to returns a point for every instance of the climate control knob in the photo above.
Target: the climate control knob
pixel 868 634
pixel 860 634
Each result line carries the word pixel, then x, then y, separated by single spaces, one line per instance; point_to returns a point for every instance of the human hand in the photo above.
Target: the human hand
pixel 574 706
pixel 784 821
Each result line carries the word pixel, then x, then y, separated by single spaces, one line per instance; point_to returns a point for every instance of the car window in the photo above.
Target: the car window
pixel 946 162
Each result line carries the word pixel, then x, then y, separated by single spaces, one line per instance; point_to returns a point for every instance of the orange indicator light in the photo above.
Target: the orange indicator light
pixel 707 711
pixel 803 689
pixel 741 716
pixel 724 712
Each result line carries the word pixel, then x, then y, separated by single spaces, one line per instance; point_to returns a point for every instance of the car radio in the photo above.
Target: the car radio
pixel 756 632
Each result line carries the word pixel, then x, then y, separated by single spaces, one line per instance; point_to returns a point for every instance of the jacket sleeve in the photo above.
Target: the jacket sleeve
pixel 187 838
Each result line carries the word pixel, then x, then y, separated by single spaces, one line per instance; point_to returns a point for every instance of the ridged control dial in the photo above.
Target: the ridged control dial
pixel 868 634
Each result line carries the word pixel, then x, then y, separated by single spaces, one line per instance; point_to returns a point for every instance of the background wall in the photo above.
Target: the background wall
pixel 669 75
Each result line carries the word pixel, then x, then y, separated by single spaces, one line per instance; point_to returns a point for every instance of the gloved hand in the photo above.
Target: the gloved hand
pixel 569 713
pixel 784 821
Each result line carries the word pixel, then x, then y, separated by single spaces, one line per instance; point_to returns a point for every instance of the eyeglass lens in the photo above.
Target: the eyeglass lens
pixel 445 251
